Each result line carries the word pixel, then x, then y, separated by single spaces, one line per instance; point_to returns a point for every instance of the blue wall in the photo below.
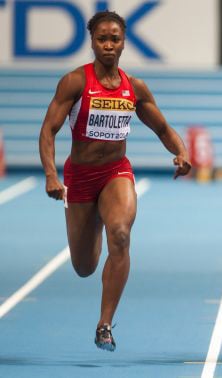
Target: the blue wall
pixel 185 98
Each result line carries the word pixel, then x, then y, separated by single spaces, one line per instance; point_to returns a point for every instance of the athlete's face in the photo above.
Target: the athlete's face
pixel 108 42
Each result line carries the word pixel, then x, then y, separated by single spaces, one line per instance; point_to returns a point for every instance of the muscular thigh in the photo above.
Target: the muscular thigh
pixel 117 202
pixel 84 228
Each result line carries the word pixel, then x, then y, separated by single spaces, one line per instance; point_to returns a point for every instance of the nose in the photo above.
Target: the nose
pixel 108 45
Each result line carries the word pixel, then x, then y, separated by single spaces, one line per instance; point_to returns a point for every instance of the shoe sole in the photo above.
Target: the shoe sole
pixel 106 346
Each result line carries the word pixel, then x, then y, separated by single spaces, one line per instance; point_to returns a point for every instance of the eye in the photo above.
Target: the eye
pixel 116 38
pixel 101 39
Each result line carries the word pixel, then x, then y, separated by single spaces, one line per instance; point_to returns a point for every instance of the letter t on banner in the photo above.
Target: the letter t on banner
pixel 21 13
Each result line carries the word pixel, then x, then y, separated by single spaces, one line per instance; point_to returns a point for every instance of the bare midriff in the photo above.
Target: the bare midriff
pixel 97 152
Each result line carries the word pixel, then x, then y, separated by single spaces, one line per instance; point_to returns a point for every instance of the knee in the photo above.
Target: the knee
pixel 82 269
pixel 120 236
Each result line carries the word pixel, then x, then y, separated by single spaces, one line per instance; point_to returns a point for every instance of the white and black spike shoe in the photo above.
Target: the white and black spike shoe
pixel 104 339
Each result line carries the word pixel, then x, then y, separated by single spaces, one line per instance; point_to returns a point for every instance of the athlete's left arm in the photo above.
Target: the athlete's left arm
pixel 148 112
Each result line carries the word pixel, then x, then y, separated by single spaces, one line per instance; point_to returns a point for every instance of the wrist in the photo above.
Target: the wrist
pixel 183 154
pixel 51 175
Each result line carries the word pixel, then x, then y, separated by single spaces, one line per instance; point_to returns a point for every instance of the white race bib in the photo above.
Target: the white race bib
pixel 109 118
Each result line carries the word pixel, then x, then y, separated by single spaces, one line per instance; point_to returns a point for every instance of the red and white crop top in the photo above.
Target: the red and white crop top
pixel 102 113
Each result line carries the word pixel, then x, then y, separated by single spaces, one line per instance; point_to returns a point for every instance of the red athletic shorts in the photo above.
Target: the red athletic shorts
pixel 85 182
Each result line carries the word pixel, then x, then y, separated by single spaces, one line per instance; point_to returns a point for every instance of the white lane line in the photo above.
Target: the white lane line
pixel 141 187
pixel 214 348
pixel 212 301
pixel 17 189
pixel 198 363
pixel 35 281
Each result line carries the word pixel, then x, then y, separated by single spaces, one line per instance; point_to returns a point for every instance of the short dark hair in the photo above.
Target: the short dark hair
pixel 105 16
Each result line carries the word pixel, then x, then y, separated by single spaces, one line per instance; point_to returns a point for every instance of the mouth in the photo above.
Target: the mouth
pixel 109 55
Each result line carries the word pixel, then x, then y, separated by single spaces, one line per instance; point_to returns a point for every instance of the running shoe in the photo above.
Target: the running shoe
pixel 104 339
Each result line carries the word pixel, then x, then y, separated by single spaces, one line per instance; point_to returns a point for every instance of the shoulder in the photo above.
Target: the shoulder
pixel 137 84
pixel 71 84
pixel 141 89
pixel 73 79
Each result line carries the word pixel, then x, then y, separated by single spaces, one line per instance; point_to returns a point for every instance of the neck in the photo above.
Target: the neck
pixel 106 71
pixel 108 76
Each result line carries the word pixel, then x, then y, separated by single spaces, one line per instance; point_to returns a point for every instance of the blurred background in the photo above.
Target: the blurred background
pixel 175 46
pixel 174 289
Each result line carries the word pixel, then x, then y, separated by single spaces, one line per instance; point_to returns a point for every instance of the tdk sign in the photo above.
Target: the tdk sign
pixel 21 27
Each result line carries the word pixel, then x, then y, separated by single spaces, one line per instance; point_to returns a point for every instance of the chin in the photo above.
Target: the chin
pixel 109 61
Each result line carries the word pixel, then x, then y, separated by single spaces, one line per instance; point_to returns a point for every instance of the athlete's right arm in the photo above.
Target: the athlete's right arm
pixel 68 92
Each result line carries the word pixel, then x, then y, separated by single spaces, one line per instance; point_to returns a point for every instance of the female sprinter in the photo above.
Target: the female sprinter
pixel 100 99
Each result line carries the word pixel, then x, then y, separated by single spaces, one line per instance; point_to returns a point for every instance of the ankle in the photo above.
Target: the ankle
pixel 102 323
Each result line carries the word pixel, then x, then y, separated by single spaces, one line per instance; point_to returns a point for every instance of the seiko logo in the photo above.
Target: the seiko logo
pixel 111 104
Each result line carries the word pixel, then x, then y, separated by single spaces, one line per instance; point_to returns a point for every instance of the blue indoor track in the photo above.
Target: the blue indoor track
pixel 168 310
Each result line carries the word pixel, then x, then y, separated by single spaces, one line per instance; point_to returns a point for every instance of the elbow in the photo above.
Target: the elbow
pixel 46 138
pixel 162 130
pixel 47 132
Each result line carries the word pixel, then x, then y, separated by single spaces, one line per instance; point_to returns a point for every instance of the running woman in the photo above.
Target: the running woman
pixel 100 99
